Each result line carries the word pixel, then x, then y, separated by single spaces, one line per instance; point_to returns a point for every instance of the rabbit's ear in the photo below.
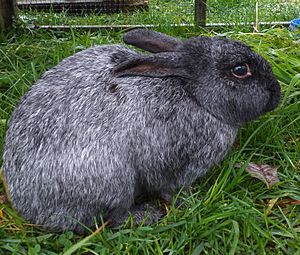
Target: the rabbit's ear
pixel 151 66
pixel 151 41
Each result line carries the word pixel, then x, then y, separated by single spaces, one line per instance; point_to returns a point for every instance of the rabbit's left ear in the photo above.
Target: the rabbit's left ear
pixel 152 67
pixel 151 41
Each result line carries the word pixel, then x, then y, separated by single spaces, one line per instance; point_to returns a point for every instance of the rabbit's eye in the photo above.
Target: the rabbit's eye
pixel 241 71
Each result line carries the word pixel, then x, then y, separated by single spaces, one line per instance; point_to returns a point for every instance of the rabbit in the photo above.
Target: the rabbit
pixel 110 129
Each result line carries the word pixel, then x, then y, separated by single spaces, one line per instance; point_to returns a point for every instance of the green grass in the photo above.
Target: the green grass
pixel 226 212
pixel 176 12
pixel 244 11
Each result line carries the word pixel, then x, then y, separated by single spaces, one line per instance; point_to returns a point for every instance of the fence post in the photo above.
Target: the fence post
pixel 8 11
pixel 200 13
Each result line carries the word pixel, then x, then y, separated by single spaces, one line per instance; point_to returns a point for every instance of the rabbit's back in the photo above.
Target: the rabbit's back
pixel 59 137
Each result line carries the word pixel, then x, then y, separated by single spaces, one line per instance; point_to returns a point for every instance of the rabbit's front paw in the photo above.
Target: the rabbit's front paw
pixel 146 214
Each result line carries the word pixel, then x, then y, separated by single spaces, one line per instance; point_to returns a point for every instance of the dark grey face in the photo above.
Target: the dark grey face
pixel 225 77
pixel 233 82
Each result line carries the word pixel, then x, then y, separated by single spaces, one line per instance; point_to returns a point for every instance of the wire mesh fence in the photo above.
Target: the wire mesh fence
pixel 154 12
pixel 83 6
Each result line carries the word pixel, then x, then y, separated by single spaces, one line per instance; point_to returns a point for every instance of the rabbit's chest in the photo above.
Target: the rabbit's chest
pixel 207 153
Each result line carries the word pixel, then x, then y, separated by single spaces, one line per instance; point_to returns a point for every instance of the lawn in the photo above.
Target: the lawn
pixel 176 12
pixel 227 212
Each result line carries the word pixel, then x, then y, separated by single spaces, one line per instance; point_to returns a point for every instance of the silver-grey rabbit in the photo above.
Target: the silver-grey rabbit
pixel 108 129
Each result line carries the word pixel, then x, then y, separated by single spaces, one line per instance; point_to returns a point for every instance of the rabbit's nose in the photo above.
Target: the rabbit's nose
pixel 274 99
pixel 274 86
